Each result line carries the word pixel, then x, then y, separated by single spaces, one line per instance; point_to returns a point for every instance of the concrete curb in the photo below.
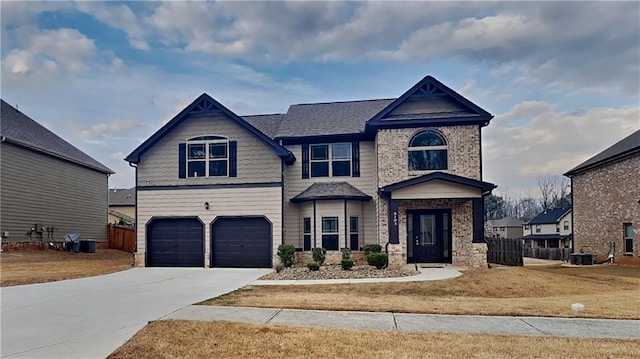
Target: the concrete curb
pixel 386 321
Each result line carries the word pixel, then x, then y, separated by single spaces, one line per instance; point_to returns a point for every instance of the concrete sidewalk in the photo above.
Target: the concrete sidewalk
pixel 539 326
pixel 426 274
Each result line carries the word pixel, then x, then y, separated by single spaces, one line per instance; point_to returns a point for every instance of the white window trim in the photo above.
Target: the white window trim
pixel 206 159
pixel 428 148
pixel 337 225
pixel 624 244
pixel 330 159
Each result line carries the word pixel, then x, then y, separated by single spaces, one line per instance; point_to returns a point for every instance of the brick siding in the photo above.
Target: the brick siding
pixel 603 200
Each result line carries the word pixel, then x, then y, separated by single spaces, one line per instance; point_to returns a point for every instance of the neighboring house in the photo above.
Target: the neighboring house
pixel 549 229
pixel 122 206
pixel 606 200
pixel 217 189
pixel 47 185
pixel 507 227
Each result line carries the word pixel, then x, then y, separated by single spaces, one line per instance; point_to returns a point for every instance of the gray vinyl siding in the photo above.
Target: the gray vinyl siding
pixel 255 201
pixel 256 161
pixel 295 212
pixel 428 105
pixel 40 189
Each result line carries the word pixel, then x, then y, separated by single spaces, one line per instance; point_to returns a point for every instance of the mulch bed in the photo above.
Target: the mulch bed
pixel 336 272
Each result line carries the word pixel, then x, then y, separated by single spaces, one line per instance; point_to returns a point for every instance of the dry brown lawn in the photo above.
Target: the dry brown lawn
pixel 40 266
pixel 606 292
pixel 191 339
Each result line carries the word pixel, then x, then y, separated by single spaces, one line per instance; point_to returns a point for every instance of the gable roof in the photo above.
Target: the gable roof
pixel 624 148
pixel 125 217
pixel 330 191
pixel 506 222
pixel 19 129
pixel 122 196
pixel 431 88
pixel 205 104
pixel 483 186
pixel 550 216
pixel 331 118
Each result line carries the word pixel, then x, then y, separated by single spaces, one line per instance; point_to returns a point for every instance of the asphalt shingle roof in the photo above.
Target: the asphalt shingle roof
pixel 333 118
pixel 627 145
pixel 20 129
pixel 331 190
pixel 122 196
pixel 549 216
pixel 506 222
pixel 267 124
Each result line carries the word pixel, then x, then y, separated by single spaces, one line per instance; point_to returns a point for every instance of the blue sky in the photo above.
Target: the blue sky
pixel 561 78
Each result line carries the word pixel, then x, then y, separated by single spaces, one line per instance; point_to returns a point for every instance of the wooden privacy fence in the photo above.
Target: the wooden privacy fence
pixel 122 238
pixel 505 251
pixel 559 254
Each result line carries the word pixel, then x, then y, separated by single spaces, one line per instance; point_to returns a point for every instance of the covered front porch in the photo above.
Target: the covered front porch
pixel 436 218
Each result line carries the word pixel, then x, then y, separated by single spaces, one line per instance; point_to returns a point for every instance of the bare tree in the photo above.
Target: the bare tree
pixel 548 190
pixel 555 192
pixel 563 193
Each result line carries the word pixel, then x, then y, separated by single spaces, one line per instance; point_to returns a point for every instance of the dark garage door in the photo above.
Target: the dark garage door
pixel 175 242
pixel 241 242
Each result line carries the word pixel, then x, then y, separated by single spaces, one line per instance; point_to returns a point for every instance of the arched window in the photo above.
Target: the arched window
pixel 427 152
pixel 207 156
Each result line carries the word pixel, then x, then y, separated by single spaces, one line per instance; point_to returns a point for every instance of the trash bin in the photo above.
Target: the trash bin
pixel 71 243
pixel 88 246
pixel 76 246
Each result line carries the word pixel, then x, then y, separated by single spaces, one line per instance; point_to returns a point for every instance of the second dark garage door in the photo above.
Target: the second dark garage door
pixel 241 242
pixel 175 242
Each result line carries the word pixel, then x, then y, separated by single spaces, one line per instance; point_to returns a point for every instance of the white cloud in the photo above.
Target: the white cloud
pixel 44 52
pixel 534 139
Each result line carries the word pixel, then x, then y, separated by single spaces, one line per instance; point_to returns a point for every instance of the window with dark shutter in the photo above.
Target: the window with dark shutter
pixel 182 160
pixel 233 161
pixel 355 158
pixel 305 161
pixel 207 156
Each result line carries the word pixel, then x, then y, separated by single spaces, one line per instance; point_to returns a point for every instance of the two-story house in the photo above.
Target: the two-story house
pixel 216 189
pixel 506 227
pixel 549 229
pixel 606 201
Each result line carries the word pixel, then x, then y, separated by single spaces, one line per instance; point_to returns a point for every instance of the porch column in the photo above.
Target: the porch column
pixel 393 222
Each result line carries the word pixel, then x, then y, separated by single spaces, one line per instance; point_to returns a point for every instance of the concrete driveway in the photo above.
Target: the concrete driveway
pixel 91 317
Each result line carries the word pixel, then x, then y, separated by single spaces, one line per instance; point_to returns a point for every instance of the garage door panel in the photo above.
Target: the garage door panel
pixel 175 242
pixel 241 242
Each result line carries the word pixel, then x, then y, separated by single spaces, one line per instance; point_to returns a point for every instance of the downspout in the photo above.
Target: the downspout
pixel 346 234
pixel 573 222
pixel 282 206
pixel 315 241
pixel 135 249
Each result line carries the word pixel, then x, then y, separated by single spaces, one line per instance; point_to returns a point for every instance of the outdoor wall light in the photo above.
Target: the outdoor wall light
pixel 206 206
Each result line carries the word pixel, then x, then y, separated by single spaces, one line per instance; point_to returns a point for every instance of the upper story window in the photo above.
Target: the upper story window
pixel 427 151
pixel 207 156
pixel 538 229
pixel 566 225
pixel 330 160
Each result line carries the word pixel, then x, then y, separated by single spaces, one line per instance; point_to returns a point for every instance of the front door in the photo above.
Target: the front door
pixel 429 236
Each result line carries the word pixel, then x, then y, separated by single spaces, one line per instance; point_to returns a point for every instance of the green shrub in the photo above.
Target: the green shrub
pixel 313 266
pixel 346 253
pixel 279 267
pixel 377 260
pixel 372 248
pixel 319 254
pixel 286 252
pixel 347 264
